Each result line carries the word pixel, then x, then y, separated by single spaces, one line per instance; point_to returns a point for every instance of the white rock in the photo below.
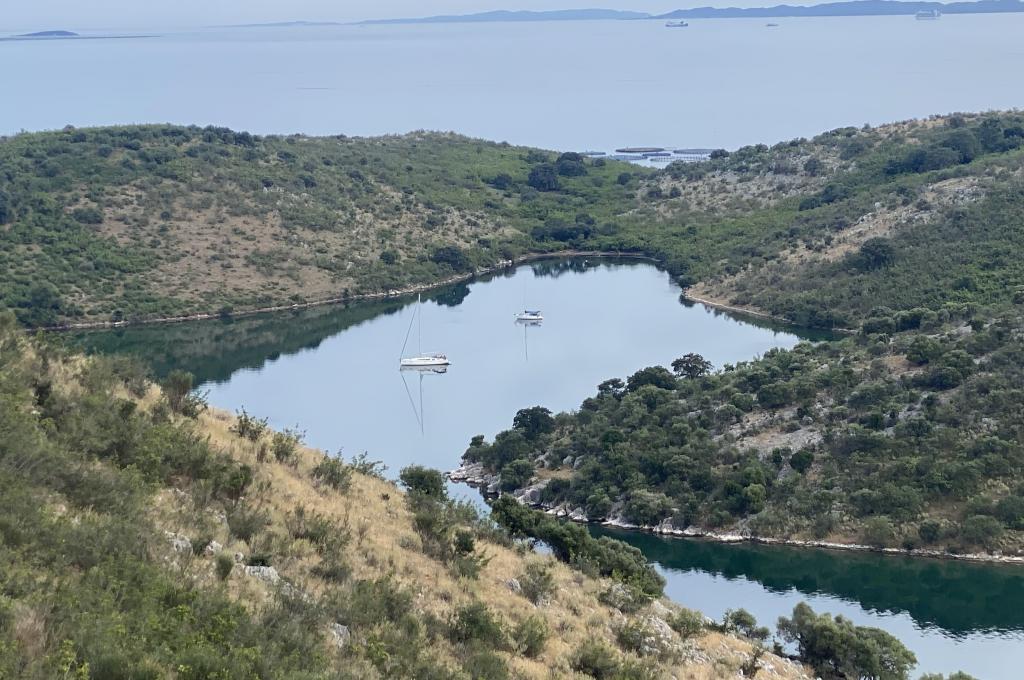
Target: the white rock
pixel 340 635
pixel 265 574
pixel 181 544
pixel 212 548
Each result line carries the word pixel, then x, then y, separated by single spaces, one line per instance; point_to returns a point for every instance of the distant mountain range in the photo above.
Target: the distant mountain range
pixel 847 9
pixel 519 16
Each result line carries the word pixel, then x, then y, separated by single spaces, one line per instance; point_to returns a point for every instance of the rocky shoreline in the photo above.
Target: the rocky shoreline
pixel 473 474
pixel 501 265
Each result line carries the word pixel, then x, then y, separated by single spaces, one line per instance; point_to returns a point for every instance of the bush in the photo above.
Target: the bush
pixel 624 597
pixel 530 636
pixel 245 523
pixel 224 564
pixel 687 623
pixel 285 444
pixel 596 660
pixel 249 427
pixel 538 583
pixel 981 530
pixel 424 481
pixel 475 622
pixel 743 622
pixel 334 473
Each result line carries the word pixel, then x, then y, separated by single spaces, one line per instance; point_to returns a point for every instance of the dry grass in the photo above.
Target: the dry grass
pixel 383 542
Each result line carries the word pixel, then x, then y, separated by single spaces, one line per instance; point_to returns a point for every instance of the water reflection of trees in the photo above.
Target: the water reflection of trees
pixel 958 597
pixel 213 350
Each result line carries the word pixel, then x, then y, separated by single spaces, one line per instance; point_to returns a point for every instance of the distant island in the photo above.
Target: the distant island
pixel 48 34
pixel 847 9
pixel 519 16
pixel 67 35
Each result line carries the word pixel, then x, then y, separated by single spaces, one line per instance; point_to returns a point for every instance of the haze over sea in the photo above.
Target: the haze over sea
pixel 561 85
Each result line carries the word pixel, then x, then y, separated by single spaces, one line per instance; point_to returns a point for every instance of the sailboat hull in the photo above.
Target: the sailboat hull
pixel 425 362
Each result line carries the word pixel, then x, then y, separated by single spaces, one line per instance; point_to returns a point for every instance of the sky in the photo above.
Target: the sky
pixel 170 14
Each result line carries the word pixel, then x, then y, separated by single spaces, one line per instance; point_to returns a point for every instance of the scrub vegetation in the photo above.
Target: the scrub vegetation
pixel 137 222
pixel 143 540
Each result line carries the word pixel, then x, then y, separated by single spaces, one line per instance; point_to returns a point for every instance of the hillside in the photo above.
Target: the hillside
pixel 136 222
pixel 117 224
pixel 142 535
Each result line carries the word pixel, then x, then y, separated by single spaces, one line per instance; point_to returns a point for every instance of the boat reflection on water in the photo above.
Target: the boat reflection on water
pixel 421 372
pixel 528 324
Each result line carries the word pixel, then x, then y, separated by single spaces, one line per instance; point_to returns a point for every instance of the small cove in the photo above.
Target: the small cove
pixel 333 372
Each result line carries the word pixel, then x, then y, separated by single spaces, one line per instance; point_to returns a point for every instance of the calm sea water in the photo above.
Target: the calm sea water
pixel 562 85
pixel 333 371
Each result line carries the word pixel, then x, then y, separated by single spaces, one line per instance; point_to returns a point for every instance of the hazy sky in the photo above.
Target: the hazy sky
pixel 166 14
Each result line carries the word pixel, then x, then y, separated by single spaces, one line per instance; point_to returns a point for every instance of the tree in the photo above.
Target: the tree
pixel 813 166
pixel 516 475
pixel 544 177
pixel 424 481
pixel 981 530
pixel 923 350
pixel 691 366
pixel 624 178
pixel 836 648
pixel 533 422
pixel 389 257
pixel 801 460
pixel 502 181
pixel 571 165
pixel 453 256
pixel 876 253
pixel 652 375
pixel 646 508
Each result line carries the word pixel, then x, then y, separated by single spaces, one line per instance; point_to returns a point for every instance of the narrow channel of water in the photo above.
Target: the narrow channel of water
pixel 333 372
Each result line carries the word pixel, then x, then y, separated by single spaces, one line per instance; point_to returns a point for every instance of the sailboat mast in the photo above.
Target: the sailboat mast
pixel 419 324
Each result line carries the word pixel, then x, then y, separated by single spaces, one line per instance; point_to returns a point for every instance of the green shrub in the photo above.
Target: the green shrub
pixel 596 659
pixel 530 636
pixel 284 445
pixel 334 473
pixel 249 427
pixel 537 582
pixel 224 564
pixel 475 622
pixel 688 623
pixel 246 522
pixel 421 480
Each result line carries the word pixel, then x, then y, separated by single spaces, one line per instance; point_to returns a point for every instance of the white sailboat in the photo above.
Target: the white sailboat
pixel 421 359
pixel 530 316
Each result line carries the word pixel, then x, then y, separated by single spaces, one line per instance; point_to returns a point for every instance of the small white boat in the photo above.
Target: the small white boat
pixel 530 316
pixel 425 361
pixel 421 359
pixel 676 24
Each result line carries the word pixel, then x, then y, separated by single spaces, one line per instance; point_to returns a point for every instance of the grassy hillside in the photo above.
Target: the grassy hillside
pixel 134 222
pixel 143 536
pixel 140 222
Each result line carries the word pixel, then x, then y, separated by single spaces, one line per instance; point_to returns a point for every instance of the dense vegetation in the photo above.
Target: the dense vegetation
pixel 132 222
pixel 143 536
pixel 896 439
